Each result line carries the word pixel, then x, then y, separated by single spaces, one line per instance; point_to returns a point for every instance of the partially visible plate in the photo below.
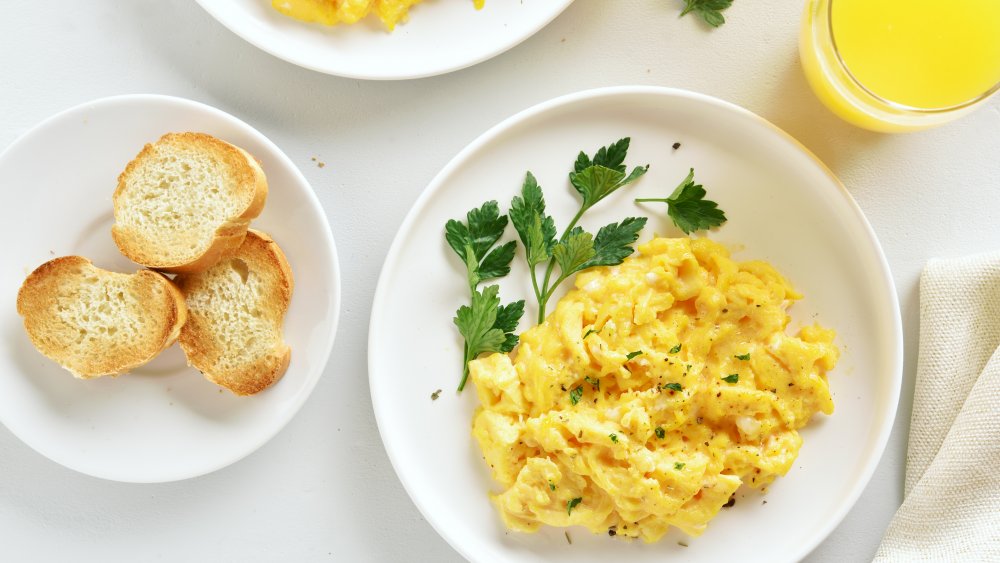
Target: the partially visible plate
pixel 441 36
pixel 163 421
pixel 783 206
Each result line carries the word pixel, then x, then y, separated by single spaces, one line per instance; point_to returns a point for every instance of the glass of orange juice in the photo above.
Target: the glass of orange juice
pixel 901 65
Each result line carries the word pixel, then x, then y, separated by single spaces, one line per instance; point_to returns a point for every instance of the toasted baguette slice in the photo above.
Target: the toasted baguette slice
pixel 94 322
pixel 185 201
pixel 237 309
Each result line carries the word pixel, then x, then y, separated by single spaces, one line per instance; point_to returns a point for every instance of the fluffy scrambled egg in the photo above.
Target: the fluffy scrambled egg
pixel 332 12
pixel 651 394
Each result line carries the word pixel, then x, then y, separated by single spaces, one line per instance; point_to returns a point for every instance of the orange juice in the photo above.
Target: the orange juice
pixel 901 64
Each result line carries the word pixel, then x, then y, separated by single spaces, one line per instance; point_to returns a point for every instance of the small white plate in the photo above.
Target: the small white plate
pixel 163 421
pixel 783 206
pixel 441 36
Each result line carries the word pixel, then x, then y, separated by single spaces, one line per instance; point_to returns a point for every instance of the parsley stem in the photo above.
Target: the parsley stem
pixel 552 265
pixel 534 284
pixel 465 368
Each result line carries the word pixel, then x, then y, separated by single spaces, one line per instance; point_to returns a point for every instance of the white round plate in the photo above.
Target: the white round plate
pixel 441 36
pixel 163 421
pixel 783 206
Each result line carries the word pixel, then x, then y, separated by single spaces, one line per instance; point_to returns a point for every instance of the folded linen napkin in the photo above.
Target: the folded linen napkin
pixel 951 509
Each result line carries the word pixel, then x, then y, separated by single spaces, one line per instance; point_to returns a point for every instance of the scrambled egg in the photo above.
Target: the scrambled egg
pixel 651 394
pixel 332 12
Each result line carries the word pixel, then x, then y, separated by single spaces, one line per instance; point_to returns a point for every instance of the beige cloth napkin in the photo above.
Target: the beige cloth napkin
pixel 951 510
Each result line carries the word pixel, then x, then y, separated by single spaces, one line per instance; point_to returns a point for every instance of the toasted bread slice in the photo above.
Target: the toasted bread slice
pixel 94 322
pixel 185 201
pixel 237 309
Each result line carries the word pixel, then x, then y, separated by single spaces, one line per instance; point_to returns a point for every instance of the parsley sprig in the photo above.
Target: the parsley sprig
pixel 594 178
pixel 486 325
pixel 688 208
pixel 709 10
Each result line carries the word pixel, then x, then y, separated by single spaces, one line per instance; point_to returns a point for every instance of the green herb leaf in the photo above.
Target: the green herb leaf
pixel 688 208
pixel 575 394
pixel 631 355
pixel 595 383
pixel 597 178
pixel 674 386
pixel 486 326
pixel 660 433
pixel 614 438
pixel 573 253
pixel 709 10
pixel 483 229
pixel 497 263
pixel 552 486
pixel 678 465
pixel 744 357
pixel 613 242
pixel 675 349
pixel 732 378
pixel 588 333
pixel 571 504
pixel 536 229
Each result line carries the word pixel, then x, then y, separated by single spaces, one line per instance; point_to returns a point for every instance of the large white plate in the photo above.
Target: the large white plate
pixel 163 421
pixel 783 206
pixel 441 36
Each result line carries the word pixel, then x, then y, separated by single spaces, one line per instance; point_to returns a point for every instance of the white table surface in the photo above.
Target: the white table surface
pixel 323 489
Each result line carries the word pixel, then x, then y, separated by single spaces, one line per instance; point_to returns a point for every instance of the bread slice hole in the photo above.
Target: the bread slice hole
pixel 241 268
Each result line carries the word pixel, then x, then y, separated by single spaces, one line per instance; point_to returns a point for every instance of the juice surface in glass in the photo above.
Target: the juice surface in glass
pixel 920 53
pixel 896 65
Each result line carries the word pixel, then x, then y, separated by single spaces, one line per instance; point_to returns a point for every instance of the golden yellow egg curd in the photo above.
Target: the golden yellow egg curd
pixel 333 12
pixel 651 394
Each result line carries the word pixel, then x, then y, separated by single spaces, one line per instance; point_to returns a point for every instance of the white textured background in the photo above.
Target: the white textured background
pixel 323 489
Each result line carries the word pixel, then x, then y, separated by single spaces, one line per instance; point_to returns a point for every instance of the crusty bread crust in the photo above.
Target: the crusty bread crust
pixel 244 170
pixel 59 286
pixel 215 338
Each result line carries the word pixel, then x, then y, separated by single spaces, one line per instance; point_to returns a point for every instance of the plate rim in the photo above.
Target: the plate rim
pixel 885 275
pixel 211 9
pixel 315 206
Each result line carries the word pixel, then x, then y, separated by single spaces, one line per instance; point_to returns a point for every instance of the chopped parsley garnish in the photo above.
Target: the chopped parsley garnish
pixel 552 486
pixel 744 357
pixel 675 349
pixel 732 378
pixel 614 437
pixel 435 395
pixel 673 386
pixel 631 355
pixel 588 333
pixel 678 465
pixel 660 432
pixel 575 394
pixel 596 383
pixel 688 208
pixel 709 10
pixel 571 504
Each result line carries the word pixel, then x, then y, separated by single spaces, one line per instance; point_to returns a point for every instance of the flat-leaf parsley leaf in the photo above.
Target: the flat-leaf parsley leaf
pixel 688 208
pixel 594 178
pixel 732 378
pixel 575 394
pixel 486 326
pixel 709 10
